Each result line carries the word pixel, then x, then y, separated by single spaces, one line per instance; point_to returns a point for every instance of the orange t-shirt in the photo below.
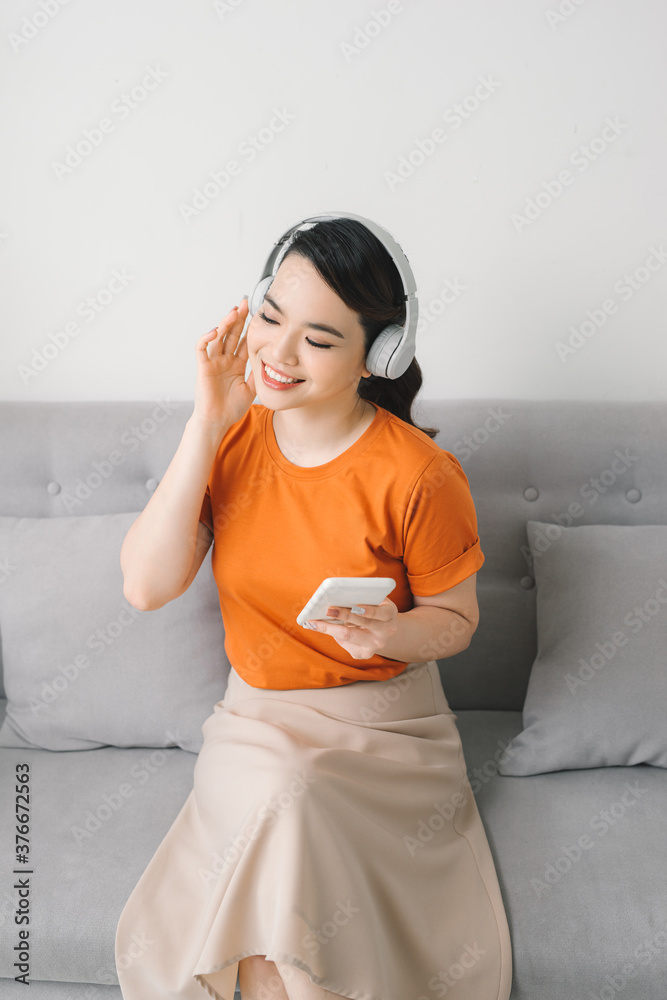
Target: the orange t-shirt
pixel 393 504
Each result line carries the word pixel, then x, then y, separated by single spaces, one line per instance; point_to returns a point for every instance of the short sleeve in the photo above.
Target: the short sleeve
pixel 441 544
pixel 206 513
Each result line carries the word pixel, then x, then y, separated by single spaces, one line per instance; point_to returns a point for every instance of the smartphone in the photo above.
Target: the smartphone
pixel 343 592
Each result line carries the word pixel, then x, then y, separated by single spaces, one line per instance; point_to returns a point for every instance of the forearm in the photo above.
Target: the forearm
pixel 159 547
pixel 428 633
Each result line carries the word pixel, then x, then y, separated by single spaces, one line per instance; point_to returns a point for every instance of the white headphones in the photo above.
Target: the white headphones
pixel 394 347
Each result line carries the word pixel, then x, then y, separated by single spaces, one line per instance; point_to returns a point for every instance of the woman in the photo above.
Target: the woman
pixel 331 845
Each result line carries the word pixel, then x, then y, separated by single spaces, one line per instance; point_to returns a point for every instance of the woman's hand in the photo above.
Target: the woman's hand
pixel 222 396
pixel 362 635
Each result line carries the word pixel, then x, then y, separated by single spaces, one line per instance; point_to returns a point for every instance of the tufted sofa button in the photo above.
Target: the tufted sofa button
pixel 53 488
pixel 151 485
pixel 633 495
pixel 530 493
pixel 527 582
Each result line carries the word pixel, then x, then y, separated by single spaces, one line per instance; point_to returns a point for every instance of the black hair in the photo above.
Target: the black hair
pixel 360 270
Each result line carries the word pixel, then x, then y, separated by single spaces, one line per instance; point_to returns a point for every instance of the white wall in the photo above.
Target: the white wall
pixel 219 71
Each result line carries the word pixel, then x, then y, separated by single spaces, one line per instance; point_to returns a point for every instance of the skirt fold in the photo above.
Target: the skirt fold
pixel 331 829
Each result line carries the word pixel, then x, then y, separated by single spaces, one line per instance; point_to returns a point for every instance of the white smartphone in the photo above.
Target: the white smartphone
pixel 343 592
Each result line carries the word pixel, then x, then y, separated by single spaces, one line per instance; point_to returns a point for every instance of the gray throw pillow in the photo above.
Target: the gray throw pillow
pixel 83 668
pixel 597 692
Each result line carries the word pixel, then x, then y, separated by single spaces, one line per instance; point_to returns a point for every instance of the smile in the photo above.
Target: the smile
pixel 271 378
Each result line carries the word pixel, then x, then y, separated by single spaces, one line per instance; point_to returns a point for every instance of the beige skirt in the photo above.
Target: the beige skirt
pixel 332 829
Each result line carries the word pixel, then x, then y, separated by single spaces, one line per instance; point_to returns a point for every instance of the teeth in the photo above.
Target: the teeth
pixel 277 377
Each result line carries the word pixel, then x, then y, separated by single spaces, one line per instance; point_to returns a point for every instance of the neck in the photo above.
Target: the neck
pixel 311 429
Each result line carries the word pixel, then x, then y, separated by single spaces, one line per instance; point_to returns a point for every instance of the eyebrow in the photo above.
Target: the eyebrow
pixel 313 326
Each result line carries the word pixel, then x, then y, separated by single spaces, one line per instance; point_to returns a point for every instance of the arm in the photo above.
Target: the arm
pixel 439 626
pixel 166 545
pixel 439 525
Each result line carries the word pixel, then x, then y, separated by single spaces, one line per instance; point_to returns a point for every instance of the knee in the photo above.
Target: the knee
pixel 256 973
pixel 293 974
pixel 257 967
pixel 250 961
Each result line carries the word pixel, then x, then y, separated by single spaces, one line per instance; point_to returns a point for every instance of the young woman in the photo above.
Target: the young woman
pixel 331 845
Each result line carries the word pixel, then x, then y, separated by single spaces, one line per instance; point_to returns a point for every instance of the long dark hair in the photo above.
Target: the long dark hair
pixel 360 270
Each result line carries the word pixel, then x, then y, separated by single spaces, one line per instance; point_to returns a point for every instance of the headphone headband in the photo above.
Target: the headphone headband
pixel 394 348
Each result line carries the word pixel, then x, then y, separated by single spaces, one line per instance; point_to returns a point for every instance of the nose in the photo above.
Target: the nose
pixel 284 347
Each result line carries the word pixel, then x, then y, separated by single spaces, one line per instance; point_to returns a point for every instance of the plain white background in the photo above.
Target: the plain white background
pixel 535 215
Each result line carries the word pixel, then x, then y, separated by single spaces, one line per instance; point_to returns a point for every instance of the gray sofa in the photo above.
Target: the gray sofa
pixel 587 911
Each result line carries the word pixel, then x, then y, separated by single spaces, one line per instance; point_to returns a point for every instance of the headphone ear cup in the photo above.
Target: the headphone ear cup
pixel 257 297
pixel 382 348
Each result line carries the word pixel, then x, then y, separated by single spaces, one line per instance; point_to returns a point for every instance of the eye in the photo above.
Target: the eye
pixel 313 343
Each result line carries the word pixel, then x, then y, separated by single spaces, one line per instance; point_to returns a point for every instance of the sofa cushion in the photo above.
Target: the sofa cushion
pixel 97 818
pixel 83 667
pixel 597 693
pixel 581 858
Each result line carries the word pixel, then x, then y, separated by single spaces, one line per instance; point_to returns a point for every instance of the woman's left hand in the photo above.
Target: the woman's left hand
pixel 362 635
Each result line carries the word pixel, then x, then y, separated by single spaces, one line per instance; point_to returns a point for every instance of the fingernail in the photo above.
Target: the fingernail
pixel 333 612
pixel 357 610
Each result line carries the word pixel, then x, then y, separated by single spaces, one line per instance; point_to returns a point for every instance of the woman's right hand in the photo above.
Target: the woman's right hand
pixel 222 396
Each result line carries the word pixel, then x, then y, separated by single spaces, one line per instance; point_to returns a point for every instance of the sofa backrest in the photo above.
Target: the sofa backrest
pixel 558 461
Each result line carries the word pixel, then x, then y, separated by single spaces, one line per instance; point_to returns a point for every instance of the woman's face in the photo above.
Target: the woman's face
pixel 282 335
